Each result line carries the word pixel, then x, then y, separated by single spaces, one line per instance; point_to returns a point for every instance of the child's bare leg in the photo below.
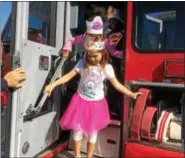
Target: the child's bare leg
pixel 77 147
pixel 91 144
pixel 77 137
pixel 90 149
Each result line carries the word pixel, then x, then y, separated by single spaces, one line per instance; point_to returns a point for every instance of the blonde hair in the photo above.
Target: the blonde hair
pixel 103 62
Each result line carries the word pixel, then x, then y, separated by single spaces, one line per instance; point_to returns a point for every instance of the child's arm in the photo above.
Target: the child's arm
pixel 111 48
pixel 73 40
pixel 60 81
pixel 118 86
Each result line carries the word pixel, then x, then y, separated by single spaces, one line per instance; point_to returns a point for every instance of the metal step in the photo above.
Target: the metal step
pixel 69 154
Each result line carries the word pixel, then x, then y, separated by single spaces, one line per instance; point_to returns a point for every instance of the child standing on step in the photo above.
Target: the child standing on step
pixel 88 111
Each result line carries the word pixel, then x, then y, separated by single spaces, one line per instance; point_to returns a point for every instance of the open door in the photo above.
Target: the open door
pixel 38 39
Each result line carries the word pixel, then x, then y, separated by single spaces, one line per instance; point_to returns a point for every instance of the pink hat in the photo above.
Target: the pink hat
pixel 95 26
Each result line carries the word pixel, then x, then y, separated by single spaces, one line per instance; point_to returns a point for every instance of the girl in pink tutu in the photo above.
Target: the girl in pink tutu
pixel 88 111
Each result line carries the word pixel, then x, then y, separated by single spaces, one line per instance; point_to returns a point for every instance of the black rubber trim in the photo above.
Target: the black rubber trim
pixel 9 109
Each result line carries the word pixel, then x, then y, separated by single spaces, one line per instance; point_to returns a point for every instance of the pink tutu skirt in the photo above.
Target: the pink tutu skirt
pixel 85 116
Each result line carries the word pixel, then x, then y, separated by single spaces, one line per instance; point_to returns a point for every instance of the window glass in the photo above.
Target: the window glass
pixel 159 26
pixel 42 22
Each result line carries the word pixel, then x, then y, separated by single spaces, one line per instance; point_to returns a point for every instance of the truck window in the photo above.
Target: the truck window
pixel 41 27
pixel 159 26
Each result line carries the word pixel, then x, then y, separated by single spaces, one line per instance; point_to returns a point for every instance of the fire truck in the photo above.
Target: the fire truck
pixel 153 63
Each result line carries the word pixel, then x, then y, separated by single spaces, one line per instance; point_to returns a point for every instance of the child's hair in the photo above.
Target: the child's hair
pixel 95 10
pixel 115 25
pixel 103 62
pixel 115 22
pixel 97 37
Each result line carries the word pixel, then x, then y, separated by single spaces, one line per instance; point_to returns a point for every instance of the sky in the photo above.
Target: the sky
pixel 5 11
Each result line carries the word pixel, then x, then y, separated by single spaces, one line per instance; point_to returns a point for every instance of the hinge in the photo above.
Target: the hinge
pixel 16 60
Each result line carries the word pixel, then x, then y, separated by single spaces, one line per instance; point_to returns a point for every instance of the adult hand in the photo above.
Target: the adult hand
pixel 15 78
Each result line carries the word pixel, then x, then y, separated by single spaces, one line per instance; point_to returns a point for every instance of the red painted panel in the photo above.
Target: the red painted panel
pixel 141 151
pixel 151 67
pixel 4 98
pixel 144 65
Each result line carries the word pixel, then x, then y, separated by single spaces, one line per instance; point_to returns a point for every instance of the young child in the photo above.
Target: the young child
pixel 88 111
pixel 115 28
pixel 94 30
pixel 115 34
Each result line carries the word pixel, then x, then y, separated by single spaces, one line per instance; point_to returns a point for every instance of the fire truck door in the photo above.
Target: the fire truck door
pixel 38 39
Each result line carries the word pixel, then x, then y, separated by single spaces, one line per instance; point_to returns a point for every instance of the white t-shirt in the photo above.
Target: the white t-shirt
pixel 91 85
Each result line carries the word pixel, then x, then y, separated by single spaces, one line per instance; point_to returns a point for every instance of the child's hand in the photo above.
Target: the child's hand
pixel 136 94
pixel 65 53
pixel 49 89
